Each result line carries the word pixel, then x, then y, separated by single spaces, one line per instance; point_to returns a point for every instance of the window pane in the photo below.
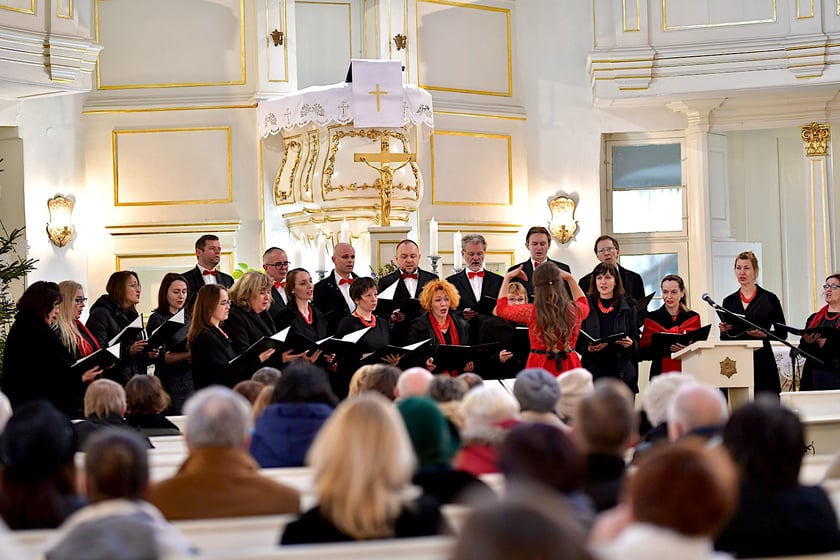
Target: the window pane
pixel 651 165
pixel 652 269
pixel 647 210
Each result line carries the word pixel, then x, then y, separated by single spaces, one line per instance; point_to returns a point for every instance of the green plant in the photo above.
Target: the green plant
pixel 12 267
pixel 385 269
pixel 241 269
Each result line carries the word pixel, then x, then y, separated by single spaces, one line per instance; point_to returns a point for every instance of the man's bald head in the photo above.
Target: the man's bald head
pixel 413 382
pixel 344 259
pixel 696 406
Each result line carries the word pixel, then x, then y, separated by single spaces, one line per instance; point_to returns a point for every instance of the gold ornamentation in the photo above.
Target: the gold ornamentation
pixel 400 41
pixel 277 37
pixel 816 137
pixel 563 225
pixel 386 174
pixel 60 227
pixel 728 367
pixel 311 158
pixel 287 195
pixel 378 92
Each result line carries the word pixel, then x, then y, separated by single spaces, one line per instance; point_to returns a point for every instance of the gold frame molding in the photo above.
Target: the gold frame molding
pixel 30 11
pixel 115 164
pixel 624 17
pixel 282 198
pixel 268 47
pixel 69 12
pixel 506 137
pixel 666 27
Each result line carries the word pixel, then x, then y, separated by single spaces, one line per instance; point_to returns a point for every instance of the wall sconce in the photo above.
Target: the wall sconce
pixel 563 225
pixel 400 41
pixel 277 37
pixel 60 227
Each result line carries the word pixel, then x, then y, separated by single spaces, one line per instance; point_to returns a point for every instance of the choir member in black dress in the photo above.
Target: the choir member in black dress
pixel 36 365
pixel 437 323
pixel 611 313
pixel 673 317
pixel 75 336
pixel 110 314
pixel 210 347
pixel 172 365
pixel 761 308
pixel 818 377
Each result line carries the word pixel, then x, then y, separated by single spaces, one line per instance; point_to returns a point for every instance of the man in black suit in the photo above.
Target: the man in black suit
pixel 276 265
pixel 537 241
pixel 332 294
pixel 607 251
pixel 474 283
pixel 208 252
pixel 410 280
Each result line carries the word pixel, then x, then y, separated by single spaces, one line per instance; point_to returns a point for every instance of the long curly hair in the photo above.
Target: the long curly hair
pixel 555 311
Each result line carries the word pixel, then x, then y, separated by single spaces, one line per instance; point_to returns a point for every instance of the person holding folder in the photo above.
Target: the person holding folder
pixel 173 366
pixel 300 315
pixel 673 317
pixel 210 348
pixel 610 334
pixel 437 323
pixel 761 308
pixel 825 376
pixel 477 286
pixel 553 319
pixel 410 280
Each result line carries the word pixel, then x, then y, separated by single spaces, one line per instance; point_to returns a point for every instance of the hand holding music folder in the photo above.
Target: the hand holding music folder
pixel 402 351
pixel 456 356
pixel 163 333
pixel 663 341
pixel 102 358
pixel 823 332
pixel 604 339
pixel 129 333
pixel 344 348
pixel 281 341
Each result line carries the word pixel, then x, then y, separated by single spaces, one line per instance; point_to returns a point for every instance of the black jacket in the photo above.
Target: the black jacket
pixel 328 299
pixel 614 360
pixel 399 333
pixel 489 288
pixel 107 318
pixel 211 351
pixel 528 268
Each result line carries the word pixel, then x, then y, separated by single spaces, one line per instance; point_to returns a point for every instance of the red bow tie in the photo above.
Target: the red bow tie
pixel 345 281
pixel 472 274
pixel 536 264
pixel 210 273
pixel 407 275
pixel 278 285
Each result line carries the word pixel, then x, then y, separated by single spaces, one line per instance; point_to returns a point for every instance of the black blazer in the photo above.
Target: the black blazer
pixel 614 360
pixel 421 329
pixel 399 332
pixel 291 317
pixel 211 351
pixel 277 305
pixel 246 327
pixel 329 301
pixel 195 280
pixel 528 268
pixel 634 286
pixel 489 287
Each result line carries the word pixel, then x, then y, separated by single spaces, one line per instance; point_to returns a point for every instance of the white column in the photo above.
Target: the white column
pixel 818 189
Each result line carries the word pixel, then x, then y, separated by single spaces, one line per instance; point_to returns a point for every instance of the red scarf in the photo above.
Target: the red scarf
pixel 437 328
pixel 819 317
pixel 307 318
pixel 84 343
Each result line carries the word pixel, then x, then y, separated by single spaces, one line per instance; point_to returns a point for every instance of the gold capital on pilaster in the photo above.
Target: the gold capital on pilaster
pixel 816 137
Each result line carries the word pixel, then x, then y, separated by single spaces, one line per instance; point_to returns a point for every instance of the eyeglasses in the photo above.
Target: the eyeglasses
pixel 225 303
pixel 831 287
pixel 603 250
pixel 80 300
pixel 279 264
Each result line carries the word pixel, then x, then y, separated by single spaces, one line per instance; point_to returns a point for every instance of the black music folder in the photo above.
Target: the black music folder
pixel 103 358
pixel 664 340
pixel 129 334
pixel 163 333
pixel 456 356
pixel 604 339
pixel 411 351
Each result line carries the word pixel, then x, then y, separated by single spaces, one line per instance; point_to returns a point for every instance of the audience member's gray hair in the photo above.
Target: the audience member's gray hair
pixel 5 411
pixel 659 393
pixel 445 388
pixel 217 417
pixel 696 405
pixel 536 390
pixel 574 385
pixel 267 375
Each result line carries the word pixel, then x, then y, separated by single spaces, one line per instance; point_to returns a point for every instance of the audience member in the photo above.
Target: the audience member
pixel 448 392
pixel 249 389
pixel 434 445
pixel 362 461
pixel 262 401
pixel 489 412
pixel 574 385
pixel 605 427
pixel 38 477
pixel 776 516
pixel 118 523
pixel 697 410
pixel 671 516
pixel 219 478
pixel 513 531
pixel 5 411
pixel 105 407
pixel 267 375
pixel 471 379
pixel 538 393
pixel 145 402
pixel 537 457
pixel 301 403
pixel 653 426
pixel 383 379
pixel 413 382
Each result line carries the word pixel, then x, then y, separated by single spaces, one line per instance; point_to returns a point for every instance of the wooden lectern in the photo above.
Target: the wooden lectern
pixel 727 364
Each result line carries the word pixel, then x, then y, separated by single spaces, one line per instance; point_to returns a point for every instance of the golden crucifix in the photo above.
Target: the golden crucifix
pixel 377 92
pixel 386 173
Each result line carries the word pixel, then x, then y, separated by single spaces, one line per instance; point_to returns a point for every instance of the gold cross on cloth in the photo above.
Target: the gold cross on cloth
pixel 378 92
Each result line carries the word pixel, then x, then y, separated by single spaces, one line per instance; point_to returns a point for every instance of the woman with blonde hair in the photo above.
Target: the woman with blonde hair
pixel 438 324
pixel 553 319
pixel 362 460
pixel 75 336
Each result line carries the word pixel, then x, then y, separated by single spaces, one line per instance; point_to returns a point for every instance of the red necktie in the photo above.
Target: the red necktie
pixel 278 285
pixel 407 275
pixel 472 275
pixel 210 273
pixel 345 281
pixel 536 264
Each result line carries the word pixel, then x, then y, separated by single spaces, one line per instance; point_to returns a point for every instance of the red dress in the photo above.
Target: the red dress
pixel 527 314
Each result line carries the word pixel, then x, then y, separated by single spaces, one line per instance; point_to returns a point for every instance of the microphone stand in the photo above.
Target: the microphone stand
pixel 794 351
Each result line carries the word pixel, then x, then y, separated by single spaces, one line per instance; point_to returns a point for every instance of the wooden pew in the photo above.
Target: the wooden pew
pixel 820 414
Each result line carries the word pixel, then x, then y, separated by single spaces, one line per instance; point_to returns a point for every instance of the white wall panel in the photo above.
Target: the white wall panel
pixel 471 169
pixel 328 35
pixel 691 14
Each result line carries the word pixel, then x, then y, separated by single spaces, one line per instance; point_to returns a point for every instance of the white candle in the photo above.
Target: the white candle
pixel 297 255
pixel 321 251
pixel 433 238
pixel 344 236
pixel 456 250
